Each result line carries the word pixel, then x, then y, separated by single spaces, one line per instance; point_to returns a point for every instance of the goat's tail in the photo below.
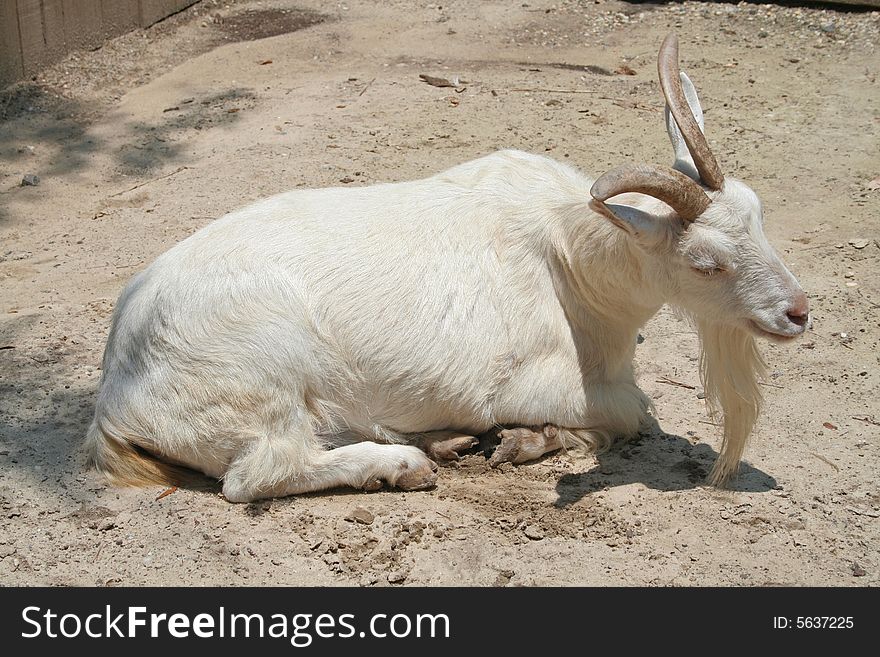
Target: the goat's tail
pixel 123 463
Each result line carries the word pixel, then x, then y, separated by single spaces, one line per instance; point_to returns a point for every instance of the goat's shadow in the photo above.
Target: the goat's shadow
pixel 660 461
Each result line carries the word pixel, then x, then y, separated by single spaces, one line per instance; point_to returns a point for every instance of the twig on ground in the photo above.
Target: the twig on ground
pixel 166 493
pixel 824 460
pixel 557 91
pixel 671 382
pixel 147 182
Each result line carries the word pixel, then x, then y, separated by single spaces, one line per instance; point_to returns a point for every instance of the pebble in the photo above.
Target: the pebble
pixel 361 515
pixel 396 577
pixel 30 180
pixel 859 243
pixel 504 577
pixel 368 579
pixel 534 532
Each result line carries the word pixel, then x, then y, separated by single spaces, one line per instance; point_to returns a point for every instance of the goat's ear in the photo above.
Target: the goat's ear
pixel 643 226
pixel 683 160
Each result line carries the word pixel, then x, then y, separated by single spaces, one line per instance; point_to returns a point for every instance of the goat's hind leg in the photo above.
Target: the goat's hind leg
pixel 525 444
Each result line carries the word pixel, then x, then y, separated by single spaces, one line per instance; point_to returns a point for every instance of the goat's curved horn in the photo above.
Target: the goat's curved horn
pixel 672 187
pixel 670 82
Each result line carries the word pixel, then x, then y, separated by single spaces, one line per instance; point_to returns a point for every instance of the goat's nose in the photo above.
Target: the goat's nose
pixel 799 312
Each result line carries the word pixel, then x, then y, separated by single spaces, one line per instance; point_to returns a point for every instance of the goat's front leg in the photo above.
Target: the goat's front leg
pixel 525 444
pixel 444 446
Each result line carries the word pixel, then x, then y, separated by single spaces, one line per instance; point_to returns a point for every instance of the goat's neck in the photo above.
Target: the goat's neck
pixel 608 288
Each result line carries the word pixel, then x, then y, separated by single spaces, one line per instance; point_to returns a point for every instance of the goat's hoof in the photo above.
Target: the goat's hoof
pixel 520 445
pixel 372 484
pixel 418 477
pixel 450 449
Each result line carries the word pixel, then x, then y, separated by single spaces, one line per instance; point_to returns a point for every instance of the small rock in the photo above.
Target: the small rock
pixel 503 578
pixel 859 243
pixel 332 559
pixel 533 532
pixel 828 28
pixel 15 255
pixel 106 525
pixel 369 579
pixel 361 515
pixel 763 34
pixel 30 180
pixel 701 395
pixel 857 570
pixel 396 577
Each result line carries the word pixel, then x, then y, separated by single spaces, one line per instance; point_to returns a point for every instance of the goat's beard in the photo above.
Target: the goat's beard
pixel 730 366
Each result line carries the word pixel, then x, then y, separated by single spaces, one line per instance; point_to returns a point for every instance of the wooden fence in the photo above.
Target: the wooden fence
pixel 36 33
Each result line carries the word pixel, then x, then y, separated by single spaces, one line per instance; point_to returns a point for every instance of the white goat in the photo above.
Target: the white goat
pixel 298 344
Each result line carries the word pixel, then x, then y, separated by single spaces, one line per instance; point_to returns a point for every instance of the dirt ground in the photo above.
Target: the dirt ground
pixel 142 142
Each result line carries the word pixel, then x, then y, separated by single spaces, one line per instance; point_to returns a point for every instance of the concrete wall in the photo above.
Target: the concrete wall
pixel 36 33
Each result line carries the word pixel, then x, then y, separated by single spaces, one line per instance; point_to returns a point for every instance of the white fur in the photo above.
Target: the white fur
pixel 489 294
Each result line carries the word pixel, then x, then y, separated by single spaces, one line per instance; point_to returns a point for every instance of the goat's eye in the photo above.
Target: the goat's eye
pixel 708 271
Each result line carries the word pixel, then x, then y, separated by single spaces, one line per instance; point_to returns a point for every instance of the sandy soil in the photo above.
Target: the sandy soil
pixel 142 142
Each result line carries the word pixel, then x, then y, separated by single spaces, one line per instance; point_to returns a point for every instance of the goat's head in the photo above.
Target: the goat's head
pixel 707 241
